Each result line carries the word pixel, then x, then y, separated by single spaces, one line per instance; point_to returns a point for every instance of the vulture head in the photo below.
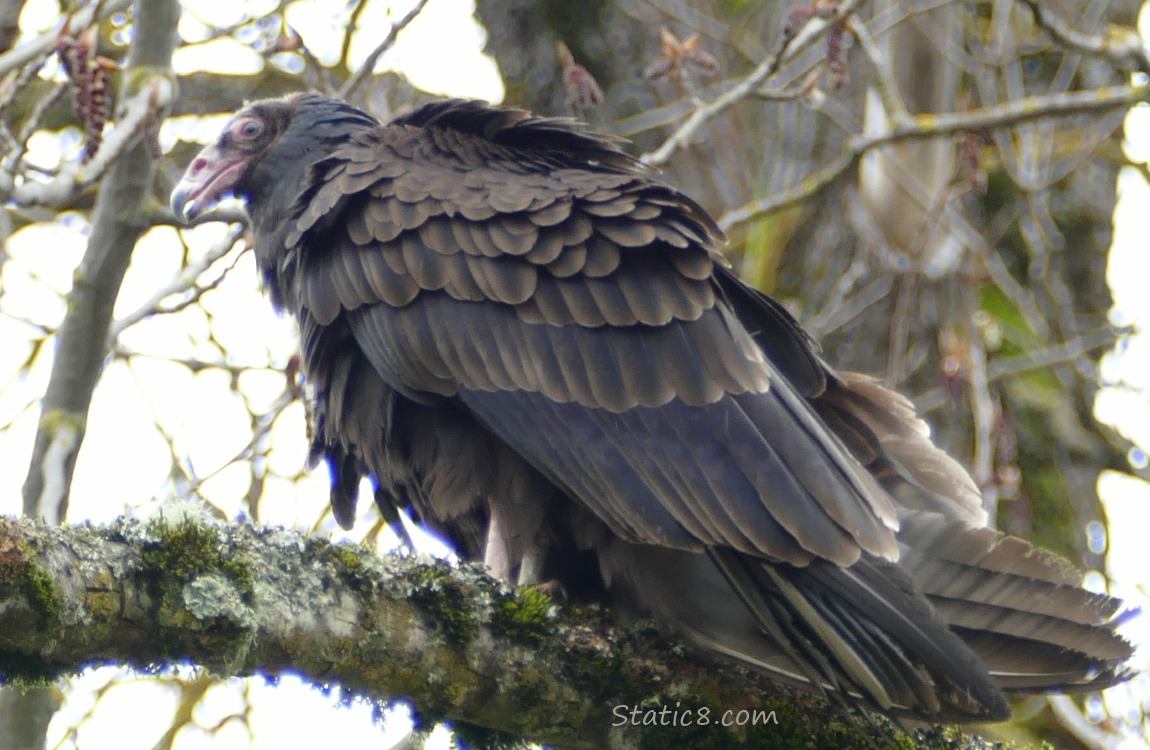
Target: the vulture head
pixel 263 153
pixel 224 168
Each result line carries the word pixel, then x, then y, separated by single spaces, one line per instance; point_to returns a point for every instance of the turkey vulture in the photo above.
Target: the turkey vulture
pixel 515 331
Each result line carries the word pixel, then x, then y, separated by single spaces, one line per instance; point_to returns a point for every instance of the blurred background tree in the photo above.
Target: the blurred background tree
pixel 928 185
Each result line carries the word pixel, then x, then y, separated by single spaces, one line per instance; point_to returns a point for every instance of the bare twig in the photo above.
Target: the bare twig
pixel 1022 296
pixel 352 27
pixel 849 298
pixel 815 28
pixel 1007 367
pixel 1120 45
pixel 923 126
pixel 261 427
pixel 883 80
pixel 155 95
pixel 183 281
pixel 42 44
pixel 195 365
pixel 368 66
pixel 982 407
pixel 12 163
pixel 899 334
pixel 808 186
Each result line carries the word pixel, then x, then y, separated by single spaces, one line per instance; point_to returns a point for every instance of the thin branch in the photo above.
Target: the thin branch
pixel 32 124
pixel 263 425
pixel 982 407
pixel 811 31
pixel 183 281
pixel 883 80
pixel 368 66
pixel 156 95
pixel 924 126
pixel 196 365
pixel 76 22
pixel 352 27
pixel 1122 46
pixel 14 86
pixel 1007 367
pixel 808 186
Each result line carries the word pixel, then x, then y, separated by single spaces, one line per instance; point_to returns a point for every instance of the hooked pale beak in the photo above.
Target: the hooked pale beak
pixel 209 178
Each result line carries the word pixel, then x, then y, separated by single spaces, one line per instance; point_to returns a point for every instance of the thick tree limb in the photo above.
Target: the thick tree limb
pixel 241 600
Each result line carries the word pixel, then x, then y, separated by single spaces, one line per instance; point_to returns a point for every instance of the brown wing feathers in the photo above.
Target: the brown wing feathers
pixel 611 362
pixel 504 316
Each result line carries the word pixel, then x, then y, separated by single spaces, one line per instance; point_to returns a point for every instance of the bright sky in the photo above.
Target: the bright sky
pixel 125 463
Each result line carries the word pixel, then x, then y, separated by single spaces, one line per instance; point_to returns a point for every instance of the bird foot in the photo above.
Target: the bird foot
pixel 552 588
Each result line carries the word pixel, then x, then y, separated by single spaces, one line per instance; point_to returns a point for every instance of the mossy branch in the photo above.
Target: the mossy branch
pixel 459 645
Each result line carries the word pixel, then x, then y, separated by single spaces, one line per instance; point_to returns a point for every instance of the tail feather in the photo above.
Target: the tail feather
pixel 1099 642
pixel 954 541
pixel 860 634
pixel 887 436
pixel 934 636
pixel 1025 665
pixel 1019 608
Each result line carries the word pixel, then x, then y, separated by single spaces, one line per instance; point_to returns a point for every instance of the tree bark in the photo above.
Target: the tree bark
pixel 9 22
pixel 462 647
pixel 118 221
pixel 81 344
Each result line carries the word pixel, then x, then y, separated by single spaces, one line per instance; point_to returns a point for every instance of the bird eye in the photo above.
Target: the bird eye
pixel 249 129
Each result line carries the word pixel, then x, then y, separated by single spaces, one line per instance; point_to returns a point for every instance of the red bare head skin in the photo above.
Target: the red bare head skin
pixel 219 167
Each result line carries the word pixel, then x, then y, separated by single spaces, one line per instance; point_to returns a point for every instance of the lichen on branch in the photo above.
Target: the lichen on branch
pixel 459 645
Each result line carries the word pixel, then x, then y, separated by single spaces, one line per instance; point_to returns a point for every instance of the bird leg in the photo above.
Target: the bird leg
pixel 531 574
pixel 496 556
pixel 531 567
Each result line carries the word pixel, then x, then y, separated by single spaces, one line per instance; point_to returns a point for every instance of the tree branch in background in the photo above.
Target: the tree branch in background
pixel 136 112
pixel 368 67
pixel 184 283
pixel 81 344
pixel 810 32
pixel 1121 46
pixel 1030 109
pixel 1007 367
pixel 78 21
pixel 462 647
pixel 884 80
